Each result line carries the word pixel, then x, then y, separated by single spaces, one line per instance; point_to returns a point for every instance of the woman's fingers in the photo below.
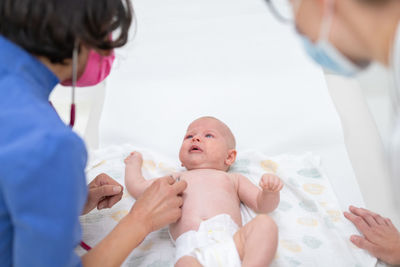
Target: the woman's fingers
pixel 102 204
pixel 363 212
pixel 179 187
pixel 358 221
pixel 103 192
pixel 170 179
pixel 106 191
pixel 367 215
pixel 363 243
pixel 379 219
pixel 381 238
pixel 161 203
pixel 114 200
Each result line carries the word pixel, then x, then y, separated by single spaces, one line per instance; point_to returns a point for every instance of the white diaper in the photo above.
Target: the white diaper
pixel 212 245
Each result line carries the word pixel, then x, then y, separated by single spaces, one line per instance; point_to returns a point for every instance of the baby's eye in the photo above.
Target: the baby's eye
pixel 189 136
pixel 209 136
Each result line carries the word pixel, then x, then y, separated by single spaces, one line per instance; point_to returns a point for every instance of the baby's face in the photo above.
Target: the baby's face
pixel 207 145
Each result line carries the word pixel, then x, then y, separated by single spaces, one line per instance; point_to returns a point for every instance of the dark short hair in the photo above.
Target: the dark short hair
pixel 49 28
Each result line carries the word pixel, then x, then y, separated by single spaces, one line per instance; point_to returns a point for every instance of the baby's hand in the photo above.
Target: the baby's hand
pixel 134 158
pixel 271 183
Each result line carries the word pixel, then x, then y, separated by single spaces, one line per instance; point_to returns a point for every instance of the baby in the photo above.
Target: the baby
pixel 210 231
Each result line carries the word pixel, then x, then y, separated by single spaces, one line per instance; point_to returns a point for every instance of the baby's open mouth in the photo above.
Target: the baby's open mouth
pixel 195 149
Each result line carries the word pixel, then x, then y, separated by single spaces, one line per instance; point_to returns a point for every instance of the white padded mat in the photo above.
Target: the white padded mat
pixel 312 229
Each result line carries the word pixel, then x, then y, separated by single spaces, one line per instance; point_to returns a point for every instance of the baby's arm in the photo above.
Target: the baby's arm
pixel 261 201
pixel 134 180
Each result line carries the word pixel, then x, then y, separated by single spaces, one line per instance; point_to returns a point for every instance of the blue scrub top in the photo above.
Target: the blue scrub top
pixel 42 180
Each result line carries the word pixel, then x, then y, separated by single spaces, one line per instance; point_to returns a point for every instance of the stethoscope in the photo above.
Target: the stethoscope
pixel 72 111
pixel 74 79
pixel 73 107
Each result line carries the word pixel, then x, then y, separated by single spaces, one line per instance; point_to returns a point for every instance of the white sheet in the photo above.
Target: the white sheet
pixel 230 59
pixel 312 229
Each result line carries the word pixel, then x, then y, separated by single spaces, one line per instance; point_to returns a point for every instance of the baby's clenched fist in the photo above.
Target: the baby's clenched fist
pixel 271 183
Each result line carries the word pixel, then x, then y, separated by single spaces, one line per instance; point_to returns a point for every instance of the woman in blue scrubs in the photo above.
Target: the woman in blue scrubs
pixel 43 189
pixel 344 36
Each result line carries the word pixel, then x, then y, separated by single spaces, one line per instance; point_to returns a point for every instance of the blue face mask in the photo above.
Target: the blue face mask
pixel 327 55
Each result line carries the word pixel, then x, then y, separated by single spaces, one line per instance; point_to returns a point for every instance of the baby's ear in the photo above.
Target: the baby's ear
pixel 230 159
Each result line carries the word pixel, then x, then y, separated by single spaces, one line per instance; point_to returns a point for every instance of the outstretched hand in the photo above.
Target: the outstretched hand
pixel 104 192
pixel 380 236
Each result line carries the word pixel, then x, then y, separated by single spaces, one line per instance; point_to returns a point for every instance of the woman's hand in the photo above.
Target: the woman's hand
pixel 381 238
pixel 104 192
pixel 160 204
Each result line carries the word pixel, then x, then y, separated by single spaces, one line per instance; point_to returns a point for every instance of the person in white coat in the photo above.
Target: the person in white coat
pixel 344 37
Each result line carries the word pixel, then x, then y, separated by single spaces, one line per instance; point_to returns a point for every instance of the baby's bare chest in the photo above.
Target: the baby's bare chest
pixel 208 182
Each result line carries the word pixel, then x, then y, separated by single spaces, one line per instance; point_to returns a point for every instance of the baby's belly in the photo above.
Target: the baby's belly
pixel 198 209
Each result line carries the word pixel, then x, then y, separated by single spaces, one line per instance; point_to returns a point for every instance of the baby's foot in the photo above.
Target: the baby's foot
pixel 135 160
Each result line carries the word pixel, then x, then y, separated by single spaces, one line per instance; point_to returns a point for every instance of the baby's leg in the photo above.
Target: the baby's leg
pixel 134 181
pixel 257 241
pixel 187 261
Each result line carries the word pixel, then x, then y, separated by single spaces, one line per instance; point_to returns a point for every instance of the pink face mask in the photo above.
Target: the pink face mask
pixel 97 68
